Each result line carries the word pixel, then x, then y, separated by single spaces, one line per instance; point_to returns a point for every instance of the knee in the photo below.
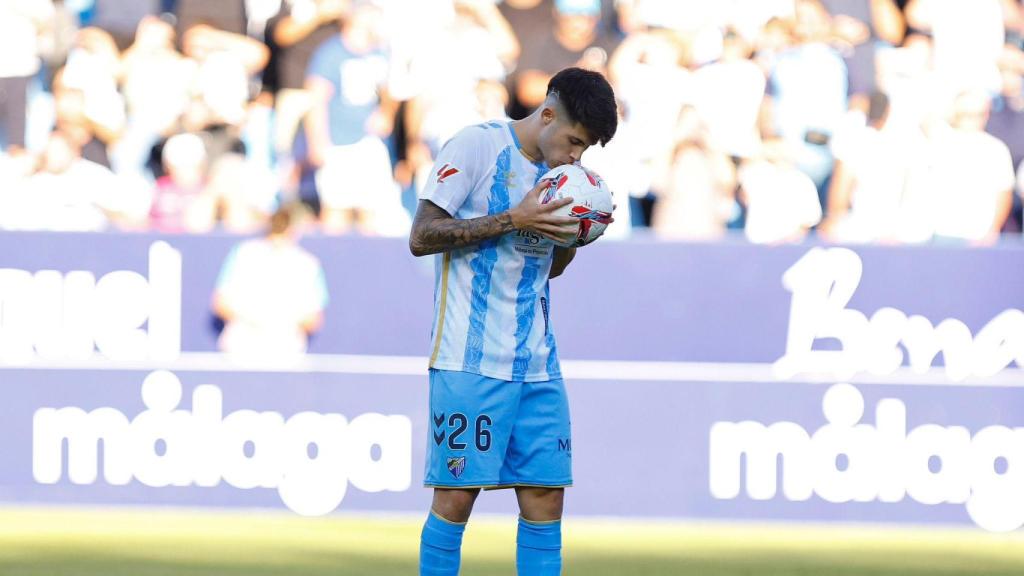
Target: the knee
pixel 541 504
pixel 454 505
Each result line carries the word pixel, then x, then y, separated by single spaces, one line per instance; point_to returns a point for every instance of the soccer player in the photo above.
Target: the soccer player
pixel 498 408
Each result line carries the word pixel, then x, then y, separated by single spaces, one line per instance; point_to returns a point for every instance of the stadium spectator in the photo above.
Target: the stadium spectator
pixel 15 168
pixel 531 21
pixel 727 95
pixel 524 16
pixel 180 201
pixel 916 93
pixel 574 39
pixel 297 30
pixel 697 200
pixel 244 193
pixel 964 182
pixel 968 37
pixel 224 15
pixel 56 39
pixel 93 69
pixel 447 60
pixel 69 193
pixel 619 165
pixel 225 63
pixel 781 201
pixel 651 79
pixel 866 196
pixel 453 87
pixel 72 120
pixel 686 16
pixel 21 22
pixel 121 18
pixel 808 87
pixel 1006 120
pixel 861 29
pixel 749 18
pixel 157 85
pixel 350 116
pixel 271 293
pixel 258 14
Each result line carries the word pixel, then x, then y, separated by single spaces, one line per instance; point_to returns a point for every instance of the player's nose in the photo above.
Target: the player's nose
pixel 577 153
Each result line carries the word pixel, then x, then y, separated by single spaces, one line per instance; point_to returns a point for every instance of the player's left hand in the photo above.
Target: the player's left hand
pixel 539 218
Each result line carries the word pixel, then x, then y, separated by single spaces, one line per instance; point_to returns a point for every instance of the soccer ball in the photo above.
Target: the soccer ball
pixel 592 202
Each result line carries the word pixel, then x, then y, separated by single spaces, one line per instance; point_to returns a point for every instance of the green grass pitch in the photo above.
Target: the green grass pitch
pixel 159 542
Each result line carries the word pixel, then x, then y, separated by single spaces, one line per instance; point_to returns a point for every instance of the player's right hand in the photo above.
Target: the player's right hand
pixel 541 219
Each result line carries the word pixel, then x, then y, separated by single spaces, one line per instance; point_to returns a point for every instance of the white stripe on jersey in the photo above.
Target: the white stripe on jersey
pixel 491 301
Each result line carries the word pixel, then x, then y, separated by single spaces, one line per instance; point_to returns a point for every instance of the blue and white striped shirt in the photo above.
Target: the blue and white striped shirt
pixel 491 300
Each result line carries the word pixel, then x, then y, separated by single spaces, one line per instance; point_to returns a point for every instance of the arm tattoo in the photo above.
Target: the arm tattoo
pixel 435 231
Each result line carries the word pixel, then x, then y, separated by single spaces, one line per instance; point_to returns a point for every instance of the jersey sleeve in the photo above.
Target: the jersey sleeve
pixel 458 167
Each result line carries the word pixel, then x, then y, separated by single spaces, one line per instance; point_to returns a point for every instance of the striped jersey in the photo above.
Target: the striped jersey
pixel 491 300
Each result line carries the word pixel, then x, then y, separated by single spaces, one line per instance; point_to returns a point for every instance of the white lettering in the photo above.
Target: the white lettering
pixel 54 316
pixel 847 461
pixel 823 282
pixel 310 457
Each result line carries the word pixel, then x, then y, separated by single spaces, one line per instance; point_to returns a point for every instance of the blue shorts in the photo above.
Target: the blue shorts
pixel 490 433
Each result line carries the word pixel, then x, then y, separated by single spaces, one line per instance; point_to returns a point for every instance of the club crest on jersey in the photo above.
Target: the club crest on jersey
pixel 457 465
pixel 446 171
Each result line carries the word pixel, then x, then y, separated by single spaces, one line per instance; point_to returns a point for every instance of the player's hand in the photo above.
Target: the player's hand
pixel 539 218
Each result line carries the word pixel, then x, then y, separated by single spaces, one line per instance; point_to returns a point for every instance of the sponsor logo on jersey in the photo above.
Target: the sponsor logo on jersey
pixel 445 172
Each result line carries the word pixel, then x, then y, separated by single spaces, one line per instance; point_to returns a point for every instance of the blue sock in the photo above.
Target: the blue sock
pixel 539 548
pixel 440 546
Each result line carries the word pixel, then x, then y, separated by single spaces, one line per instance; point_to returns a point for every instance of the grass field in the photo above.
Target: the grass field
pixel 83 542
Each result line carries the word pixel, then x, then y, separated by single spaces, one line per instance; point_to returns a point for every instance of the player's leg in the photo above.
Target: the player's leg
pixel 539 537
pixel 441 539
pixel 539 464
pixel 471 419
pixel 538 504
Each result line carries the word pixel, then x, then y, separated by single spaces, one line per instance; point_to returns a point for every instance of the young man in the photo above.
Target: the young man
pixel 499 414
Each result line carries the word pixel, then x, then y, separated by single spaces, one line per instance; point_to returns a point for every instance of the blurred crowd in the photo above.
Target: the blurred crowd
pixel 858 120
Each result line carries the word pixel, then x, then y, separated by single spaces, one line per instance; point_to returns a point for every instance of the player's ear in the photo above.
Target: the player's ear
pixel 548 115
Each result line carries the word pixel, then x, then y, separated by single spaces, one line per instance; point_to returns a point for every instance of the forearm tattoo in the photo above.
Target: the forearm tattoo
pixel 434 233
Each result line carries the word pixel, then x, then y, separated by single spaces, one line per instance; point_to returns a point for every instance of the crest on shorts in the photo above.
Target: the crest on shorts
pixel 457 465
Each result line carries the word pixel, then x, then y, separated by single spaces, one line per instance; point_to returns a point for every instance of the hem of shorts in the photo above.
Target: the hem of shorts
pixel 506 376
pixel 501 485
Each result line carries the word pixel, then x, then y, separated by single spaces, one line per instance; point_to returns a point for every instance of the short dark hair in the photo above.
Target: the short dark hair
pixel 588 99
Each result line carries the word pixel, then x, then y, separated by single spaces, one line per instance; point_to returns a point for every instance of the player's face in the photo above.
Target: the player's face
pixel 563 142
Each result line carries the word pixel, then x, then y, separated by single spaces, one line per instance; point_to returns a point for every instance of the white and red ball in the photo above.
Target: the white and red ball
pixel 592 202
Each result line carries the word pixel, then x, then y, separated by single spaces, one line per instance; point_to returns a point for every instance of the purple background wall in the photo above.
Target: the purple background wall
pixel 721 302
pixel 640 447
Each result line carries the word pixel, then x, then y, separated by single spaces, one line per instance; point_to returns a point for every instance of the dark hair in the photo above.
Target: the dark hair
pixel 588 99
